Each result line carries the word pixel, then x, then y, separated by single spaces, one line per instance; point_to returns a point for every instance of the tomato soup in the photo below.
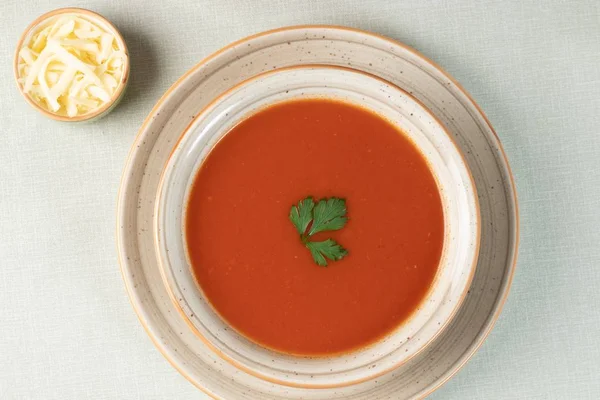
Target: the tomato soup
pixel 248 258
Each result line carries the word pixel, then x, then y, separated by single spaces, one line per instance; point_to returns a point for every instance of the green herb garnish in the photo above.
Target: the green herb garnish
pixel 326 215
pixel 328 248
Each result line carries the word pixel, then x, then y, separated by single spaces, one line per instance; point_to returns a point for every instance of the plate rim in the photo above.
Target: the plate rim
pixel 514 229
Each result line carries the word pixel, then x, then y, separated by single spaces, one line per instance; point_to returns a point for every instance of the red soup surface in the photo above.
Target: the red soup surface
pixel 248 258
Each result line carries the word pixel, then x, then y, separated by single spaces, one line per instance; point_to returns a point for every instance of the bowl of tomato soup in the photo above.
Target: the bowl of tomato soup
pixel 316 226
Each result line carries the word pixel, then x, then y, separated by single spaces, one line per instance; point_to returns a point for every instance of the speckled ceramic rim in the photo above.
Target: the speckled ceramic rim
pixel 505 288
pixel 116 95
pixel 224 356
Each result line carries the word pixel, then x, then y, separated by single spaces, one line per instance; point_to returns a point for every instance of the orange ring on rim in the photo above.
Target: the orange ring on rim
pixel 507 281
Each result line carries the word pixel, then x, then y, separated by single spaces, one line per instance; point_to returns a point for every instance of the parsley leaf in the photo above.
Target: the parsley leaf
pixel 326 215
pixel 301 214
pixel 326 249
pixel 329 215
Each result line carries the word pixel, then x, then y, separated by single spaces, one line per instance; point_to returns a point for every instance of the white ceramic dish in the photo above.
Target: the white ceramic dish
pixel 461 215
pixel 99 20
pixel 363 51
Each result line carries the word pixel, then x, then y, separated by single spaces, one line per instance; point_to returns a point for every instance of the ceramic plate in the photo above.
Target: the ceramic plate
pixel 382 57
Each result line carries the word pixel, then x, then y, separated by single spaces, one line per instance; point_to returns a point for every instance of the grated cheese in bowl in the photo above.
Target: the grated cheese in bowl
pixel 72 64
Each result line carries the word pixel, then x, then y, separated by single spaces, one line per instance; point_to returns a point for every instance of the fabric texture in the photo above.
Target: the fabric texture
pixel 67 330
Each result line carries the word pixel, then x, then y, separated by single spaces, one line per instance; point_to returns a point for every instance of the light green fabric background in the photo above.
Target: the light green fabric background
pixel 67 330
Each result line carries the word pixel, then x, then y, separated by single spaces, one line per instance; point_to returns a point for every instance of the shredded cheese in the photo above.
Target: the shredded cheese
pixel 71 66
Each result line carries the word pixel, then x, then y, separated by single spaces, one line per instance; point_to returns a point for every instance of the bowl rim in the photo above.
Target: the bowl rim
pixel 456 307
pixel 94 16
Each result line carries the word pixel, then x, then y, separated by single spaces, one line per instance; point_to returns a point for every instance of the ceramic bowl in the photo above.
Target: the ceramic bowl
pixel 48 18
pixel 461 218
